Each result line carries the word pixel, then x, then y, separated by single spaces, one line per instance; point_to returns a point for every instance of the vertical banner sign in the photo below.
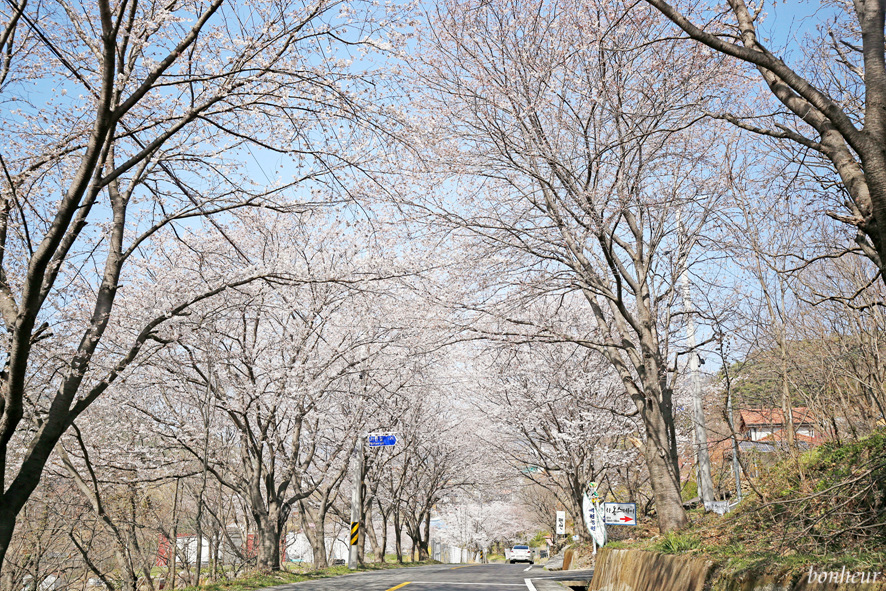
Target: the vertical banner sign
pixel 561 522
pixel 590 514
pixel 593 515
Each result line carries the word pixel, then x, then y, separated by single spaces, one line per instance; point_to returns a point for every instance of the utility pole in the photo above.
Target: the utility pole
pixel 736 468
pixel 703 478
pixel 356 506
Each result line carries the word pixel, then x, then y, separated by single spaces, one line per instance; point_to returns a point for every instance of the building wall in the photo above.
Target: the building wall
pixel 298 548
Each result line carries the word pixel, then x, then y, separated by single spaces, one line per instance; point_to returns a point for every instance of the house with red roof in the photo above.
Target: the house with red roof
pixel 767 425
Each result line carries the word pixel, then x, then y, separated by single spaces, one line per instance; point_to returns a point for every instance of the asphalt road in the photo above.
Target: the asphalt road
pixel 441 577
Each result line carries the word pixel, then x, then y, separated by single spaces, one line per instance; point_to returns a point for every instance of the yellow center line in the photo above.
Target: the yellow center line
pixel 462 566
pixel 398 586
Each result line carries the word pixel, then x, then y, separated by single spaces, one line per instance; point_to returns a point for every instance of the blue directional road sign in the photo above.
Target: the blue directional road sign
pixel 382 440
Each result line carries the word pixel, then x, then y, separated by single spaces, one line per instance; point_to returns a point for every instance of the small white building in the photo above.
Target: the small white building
pixel 187 550
pixel 298 548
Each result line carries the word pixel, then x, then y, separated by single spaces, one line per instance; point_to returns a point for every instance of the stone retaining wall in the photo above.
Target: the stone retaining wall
pixel 638 570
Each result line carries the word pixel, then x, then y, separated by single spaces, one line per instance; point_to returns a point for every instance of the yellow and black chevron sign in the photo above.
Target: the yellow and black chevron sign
pixel 355 532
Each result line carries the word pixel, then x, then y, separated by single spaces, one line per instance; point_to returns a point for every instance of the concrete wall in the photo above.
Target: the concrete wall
pixel 637 570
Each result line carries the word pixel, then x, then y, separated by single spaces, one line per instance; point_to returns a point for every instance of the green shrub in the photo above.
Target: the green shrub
pixel 690 490
pixel 676 543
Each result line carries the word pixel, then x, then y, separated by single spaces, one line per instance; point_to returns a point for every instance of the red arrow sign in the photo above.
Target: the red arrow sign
pixel 625 519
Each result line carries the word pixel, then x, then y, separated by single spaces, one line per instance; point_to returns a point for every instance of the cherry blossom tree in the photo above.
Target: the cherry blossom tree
pixel 477 520
pixel 541 506
pixel 117 489
pixel 433 458
pixel 275 363
pixel 559 419
pixel 129 122
pixel 829 101
pixel 584 148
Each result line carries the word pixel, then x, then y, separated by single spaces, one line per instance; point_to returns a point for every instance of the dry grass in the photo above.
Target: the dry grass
pixel 260 580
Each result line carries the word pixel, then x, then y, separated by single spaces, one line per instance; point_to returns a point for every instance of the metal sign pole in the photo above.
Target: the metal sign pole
pixel 356 506
pixel 596 510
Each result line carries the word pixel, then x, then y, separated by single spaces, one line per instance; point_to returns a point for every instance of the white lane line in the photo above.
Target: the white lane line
pixel 529 585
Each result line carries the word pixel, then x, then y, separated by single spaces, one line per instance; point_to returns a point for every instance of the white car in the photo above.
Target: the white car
pixel 520 554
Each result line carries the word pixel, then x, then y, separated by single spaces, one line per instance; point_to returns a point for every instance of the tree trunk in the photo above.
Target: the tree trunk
pixel 269 550
pixel 662 459
pixel 213 556
pixel 316 535
pixel 423 553
pixel 317 540
pixel 173 573
pixel 13 500
pixel 372 536
pixel 7 526
pixel 419 546
pixel 654 403
pixel 398 537
pixel 384 535
pixel 668 503
pixel 576 496
pixel 361 535
pixel 268 543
